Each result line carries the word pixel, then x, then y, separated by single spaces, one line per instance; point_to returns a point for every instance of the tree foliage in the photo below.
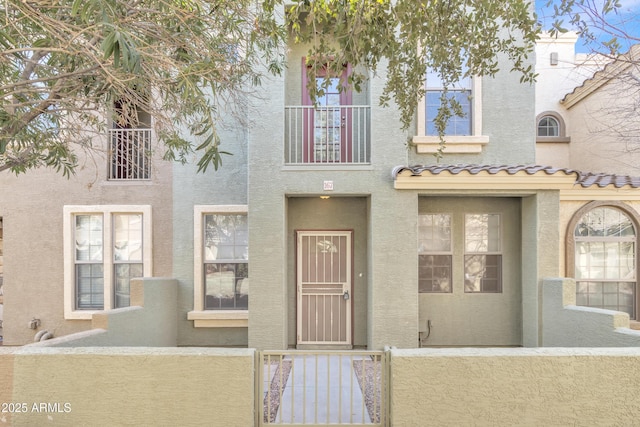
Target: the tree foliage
pixel 607 27
pixel 455 38
pixel 64 64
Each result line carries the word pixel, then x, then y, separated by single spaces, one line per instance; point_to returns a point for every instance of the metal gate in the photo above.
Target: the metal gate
pixel 318 388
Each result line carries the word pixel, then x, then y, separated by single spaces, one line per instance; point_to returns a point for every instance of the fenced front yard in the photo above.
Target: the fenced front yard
pixel 311 388
pixel 217 387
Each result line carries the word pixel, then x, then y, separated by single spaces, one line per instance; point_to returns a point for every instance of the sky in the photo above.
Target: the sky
pixel 628 18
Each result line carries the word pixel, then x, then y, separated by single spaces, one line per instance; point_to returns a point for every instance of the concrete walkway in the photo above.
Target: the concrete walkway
pixel 323 389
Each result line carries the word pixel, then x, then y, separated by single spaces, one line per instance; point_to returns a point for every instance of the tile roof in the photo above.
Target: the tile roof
pixel 584 179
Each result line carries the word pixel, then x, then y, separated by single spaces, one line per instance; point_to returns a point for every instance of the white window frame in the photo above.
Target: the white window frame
pixel 200 316
pixel 454 143
pixel 107 211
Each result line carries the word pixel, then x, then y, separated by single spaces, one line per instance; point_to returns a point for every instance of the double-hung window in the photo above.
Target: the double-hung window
pixel 459 124
pixel 221 266
pixel 105 247
pixel 434 253
pixel 441 262
pixel 463 130
pixel 483 253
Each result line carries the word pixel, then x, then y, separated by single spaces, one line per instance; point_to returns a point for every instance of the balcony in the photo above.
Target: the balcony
pixel 327 135
pixel 129 154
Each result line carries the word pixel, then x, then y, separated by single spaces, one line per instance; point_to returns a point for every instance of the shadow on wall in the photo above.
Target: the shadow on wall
pixel 564 324
pixel 150 321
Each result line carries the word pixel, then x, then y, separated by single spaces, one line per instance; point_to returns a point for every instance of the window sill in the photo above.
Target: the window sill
pixel 219 319
pixel 453 144
pixel 81 314
pixel 555 139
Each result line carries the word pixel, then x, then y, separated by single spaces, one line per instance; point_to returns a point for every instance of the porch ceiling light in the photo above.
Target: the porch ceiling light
pixel 324 197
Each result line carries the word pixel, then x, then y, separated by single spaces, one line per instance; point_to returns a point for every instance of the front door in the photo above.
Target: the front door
pixel 323 271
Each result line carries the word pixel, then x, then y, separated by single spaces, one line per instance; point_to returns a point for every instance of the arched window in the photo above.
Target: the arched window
pixel 548 126
pixel 603 238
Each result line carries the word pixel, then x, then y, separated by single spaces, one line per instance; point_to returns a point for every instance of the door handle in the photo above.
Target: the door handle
pixel 346 296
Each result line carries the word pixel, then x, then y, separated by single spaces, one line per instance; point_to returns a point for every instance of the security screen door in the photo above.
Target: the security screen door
pixel 324 287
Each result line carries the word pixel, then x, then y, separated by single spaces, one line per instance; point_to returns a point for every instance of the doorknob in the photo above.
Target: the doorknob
pixel 345 296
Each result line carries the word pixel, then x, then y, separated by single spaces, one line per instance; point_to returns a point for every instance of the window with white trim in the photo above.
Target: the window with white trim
pixel 460 93
pixel 463 133
pixel 226 261
pixel 105 247
pixel 221 266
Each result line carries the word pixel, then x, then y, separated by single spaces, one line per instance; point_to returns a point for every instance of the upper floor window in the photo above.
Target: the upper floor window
pixel 463 130
pixel 105 247
pixel 460 93
pixel 550 127
pixel 604 241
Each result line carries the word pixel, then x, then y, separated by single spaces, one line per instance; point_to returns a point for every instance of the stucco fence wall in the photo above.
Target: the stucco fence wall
pixel 515 386
pixel 215 387
pixel 140 386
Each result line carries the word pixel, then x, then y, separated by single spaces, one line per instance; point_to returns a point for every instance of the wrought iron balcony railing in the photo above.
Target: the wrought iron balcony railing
pixel 129 154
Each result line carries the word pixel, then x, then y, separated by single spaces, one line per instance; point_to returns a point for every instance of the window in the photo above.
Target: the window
pixel 460 92
pixel 605 259
pixel 550 127
pixel 463 133
pixel 221 266
pixel 105 247
pixel 434 253
pixel 483 256
pixel 225 261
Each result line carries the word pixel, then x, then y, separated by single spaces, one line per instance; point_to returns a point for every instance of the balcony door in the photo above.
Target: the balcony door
pixel 327 122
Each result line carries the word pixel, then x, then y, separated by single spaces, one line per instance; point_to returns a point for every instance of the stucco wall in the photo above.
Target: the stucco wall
pixel 508 119
pixel 151 320
pixel 128 386
pixel 226 186
pixel 568 325
pixel 505 387
pixel 32 214
pixel 337 213
pixel 215 387
pixel 607 118
pixel 391 219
